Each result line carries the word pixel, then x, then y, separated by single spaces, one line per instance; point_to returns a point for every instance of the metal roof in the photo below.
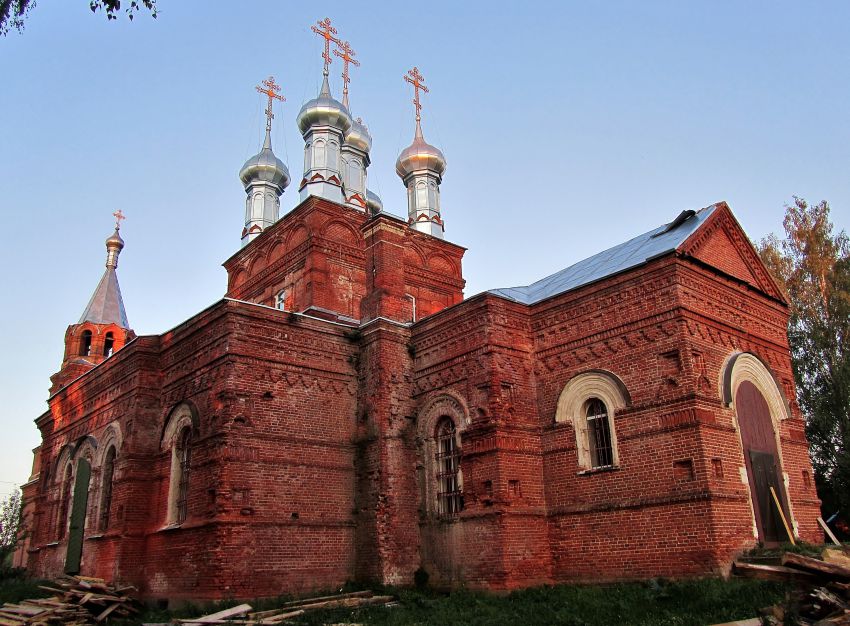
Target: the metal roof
pixel 106 305
pixel 624 256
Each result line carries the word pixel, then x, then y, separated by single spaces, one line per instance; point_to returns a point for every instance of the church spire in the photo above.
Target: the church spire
pixel 264 176
pixel 421 168
pixel 106 305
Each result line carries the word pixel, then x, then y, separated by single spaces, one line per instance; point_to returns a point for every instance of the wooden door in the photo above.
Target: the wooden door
pixel 764 477
pixel 78 518
pixel 761 459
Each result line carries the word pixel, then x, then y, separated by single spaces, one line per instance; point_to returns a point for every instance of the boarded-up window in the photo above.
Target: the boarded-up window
pixel 106 488
pixel 184 458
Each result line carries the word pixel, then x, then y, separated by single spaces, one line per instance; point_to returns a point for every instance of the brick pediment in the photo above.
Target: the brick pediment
pixel 723 244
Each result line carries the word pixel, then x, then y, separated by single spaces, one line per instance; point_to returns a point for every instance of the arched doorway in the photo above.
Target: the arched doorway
pixel 78 517
pixel 761 458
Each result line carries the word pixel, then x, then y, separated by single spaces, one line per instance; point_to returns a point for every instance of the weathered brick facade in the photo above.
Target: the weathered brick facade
pixel 312 457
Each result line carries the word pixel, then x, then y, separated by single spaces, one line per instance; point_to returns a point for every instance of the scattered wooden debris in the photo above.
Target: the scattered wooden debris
pixel 822 594
pixel 288 610
pixel 77 600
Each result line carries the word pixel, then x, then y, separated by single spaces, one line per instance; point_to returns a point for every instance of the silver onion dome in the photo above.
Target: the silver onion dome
pixel 420 155
pixel 324 110
pixel 358 136
pixel 374 204
pixel 265 167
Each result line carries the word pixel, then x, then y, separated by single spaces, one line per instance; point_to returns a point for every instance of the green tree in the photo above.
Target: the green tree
pixel 10 526
pixel 14 12
pixel 813 266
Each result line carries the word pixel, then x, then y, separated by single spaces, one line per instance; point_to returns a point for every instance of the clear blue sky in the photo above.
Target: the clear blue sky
pixel 568 127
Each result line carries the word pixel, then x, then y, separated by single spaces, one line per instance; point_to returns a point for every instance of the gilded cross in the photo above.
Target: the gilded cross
pixel 416 79
pixel 271 90
pixel 347 55
pixel 118 215
pixel 327 32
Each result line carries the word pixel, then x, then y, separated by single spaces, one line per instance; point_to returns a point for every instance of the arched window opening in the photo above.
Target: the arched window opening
pixel 354 175
pixel 449 494
pixel 319 154
pixel 108 344
pixel 308 157
pixel 64 501
pixel 333 156
pixel 432 195
pixel 421 196
pixel 599 434
pixel 106 488
pixel 85 343
pixel 280 300
pixel 183 458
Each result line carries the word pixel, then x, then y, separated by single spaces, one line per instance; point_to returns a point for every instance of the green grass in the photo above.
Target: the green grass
pixel 14 587
pixel 678 603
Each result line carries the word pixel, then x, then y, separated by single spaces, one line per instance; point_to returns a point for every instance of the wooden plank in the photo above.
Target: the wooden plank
pixel 828 532
pixel 277 619
pixel 338 596
pixel 221 615
pixel 782 515
pixel 814 565
pixel 772 572
pixel 106 613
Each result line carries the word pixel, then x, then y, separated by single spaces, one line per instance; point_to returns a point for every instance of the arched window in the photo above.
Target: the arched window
pixel 598 434
pixel 590 401
pixel 355 181
pixel 183 454
pixel 85 343
pixel 432 195
pixel 421 196
pixel 449 494
pixel 280 299
pixel 308 157
pixel 177 438
pixel 319 154
pixel 257 207
pixel 333 156
pixel 64 501
pixel 108 344
pixel 106 488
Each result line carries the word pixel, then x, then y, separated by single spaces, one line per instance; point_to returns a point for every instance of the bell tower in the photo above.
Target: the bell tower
pixel 103 328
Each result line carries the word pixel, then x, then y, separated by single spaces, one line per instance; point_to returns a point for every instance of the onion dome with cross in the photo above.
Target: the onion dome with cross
pixel 264 176
pixel 323 122
pixel 421 167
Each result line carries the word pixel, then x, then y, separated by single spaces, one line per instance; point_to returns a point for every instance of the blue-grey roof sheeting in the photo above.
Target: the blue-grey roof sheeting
pixel 625 256
pixel 106 305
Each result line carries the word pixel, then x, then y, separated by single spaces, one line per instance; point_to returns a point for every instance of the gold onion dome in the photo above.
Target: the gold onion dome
pixel 265 167
pixel 324 111
pixel 358 136
pixel 115 241
pixel 420 155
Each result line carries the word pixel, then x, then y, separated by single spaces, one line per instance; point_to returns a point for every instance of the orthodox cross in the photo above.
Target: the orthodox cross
pixel 327 32
pixel 347 55
pixel 271 91
pixel 118 215
pixel 416 79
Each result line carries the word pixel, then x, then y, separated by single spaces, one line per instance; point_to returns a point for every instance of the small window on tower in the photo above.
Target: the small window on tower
pixel 108 344
pixel 85 343
pixel 280 300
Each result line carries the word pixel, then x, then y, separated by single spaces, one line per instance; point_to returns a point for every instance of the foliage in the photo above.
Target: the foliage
pixel 813 266
pixel 10 525
pixel 656 602
pixel 14 12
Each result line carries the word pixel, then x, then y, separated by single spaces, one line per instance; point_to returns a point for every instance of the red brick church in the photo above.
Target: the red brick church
pixel 343 413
